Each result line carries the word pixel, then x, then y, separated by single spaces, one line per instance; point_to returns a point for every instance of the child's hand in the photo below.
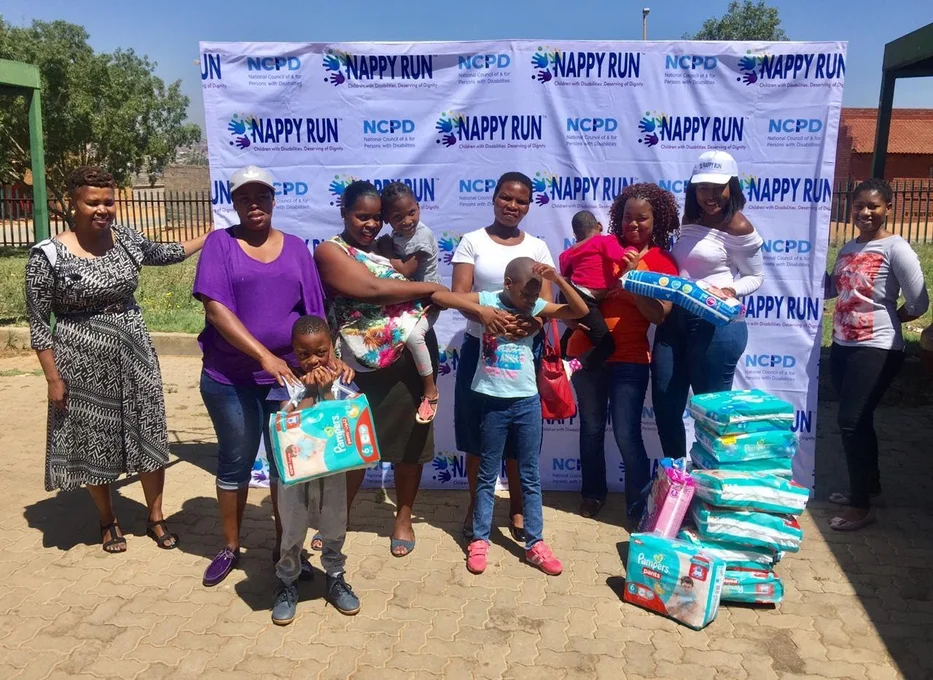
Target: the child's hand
pixel 546 272
pixel 321 378
pixel 494 320
pixel 629 260
pixel 339 368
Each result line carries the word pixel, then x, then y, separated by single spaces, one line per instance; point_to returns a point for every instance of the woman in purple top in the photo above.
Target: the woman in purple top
pixel 255 282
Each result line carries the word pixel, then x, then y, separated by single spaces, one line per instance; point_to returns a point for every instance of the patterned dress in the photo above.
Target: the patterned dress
pixel 374 334
pixel 115 417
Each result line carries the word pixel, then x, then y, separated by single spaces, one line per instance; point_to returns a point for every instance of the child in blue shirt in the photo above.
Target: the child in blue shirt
pixel 505 375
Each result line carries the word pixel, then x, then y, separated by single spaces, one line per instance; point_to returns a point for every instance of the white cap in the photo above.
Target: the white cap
pixel 714 167
pixel 251 175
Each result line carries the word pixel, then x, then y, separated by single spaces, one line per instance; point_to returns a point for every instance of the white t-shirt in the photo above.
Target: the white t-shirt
pixel 720 259
pixel 489 260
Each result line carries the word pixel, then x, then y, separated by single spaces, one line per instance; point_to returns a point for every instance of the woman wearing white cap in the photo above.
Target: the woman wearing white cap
pixel 255 282
pixel 718 246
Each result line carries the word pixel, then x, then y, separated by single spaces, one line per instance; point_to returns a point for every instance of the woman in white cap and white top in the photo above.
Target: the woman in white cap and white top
pixel 718 246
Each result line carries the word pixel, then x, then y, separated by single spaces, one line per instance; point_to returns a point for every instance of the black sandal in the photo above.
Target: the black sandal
pixel 167 541
pixel 116 544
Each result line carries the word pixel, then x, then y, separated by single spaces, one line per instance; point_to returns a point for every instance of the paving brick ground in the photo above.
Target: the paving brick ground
pixel 856 607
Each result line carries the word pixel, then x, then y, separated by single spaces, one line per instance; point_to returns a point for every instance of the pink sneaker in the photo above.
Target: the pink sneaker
pixel 540 556
pixel 476 556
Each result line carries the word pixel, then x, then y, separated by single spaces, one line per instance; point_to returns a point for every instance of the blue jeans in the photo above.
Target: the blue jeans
pixel 518 421
pixel 240 414
pixel 619 389
pixel 690 353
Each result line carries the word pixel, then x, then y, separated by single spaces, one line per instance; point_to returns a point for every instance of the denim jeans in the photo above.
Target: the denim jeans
pixel 240 414
pixel 618 388
pixel 518 421
pixel 690 353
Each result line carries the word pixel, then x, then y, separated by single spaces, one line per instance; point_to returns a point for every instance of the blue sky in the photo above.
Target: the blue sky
pixel 168 31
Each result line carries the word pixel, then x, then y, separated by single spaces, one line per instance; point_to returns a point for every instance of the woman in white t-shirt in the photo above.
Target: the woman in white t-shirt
pixel 718 246
pixel 870 274
pixel 479 265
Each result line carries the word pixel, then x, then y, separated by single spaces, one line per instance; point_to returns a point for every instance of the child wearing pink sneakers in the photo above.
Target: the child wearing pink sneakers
pixel 505 377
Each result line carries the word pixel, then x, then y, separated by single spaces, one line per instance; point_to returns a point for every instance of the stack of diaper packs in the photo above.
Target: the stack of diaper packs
pixel 746 504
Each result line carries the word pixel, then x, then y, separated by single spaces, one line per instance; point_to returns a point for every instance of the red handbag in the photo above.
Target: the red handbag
pixel 557 402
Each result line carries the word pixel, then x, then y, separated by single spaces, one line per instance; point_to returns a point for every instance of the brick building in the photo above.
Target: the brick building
pixel 910 146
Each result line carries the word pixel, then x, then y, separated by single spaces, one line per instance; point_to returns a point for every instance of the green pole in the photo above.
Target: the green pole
pixel 40 197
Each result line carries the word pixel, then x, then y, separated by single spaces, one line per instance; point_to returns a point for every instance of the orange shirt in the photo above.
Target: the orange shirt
pixel 627 326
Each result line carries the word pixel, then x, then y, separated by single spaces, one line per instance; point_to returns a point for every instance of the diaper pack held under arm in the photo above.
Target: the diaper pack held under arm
pixel 694 296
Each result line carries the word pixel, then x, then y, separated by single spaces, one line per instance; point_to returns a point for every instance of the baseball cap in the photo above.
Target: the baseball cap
pixel 251 175
pixel 714 167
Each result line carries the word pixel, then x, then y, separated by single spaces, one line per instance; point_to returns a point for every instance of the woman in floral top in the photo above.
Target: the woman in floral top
pixel 374 308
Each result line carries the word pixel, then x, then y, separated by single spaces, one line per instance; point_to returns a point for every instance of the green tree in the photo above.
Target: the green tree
pixel 100 109
pixel 745 20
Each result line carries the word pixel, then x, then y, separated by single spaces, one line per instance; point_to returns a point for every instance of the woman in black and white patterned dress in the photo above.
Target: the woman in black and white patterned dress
pixel 106 407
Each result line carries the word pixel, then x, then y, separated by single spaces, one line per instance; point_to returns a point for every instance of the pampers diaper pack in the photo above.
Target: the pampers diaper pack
pixel 732 448
pixel 735 556
pixel 741 411
pixel 752 587
pixel 692 296
pixel 669 499
pixel 674 578
pixel 329 437
pixel 750 491
pixel 744 527
pixel 701 459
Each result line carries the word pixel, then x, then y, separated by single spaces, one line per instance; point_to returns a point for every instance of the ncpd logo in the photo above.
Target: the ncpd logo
pixel 779 68
pixel 341 67
pixel 605 69
pixel 292 188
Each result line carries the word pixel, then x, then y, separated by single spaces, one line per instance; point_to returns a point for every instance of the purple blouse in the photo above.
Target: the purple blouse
pixel 266 297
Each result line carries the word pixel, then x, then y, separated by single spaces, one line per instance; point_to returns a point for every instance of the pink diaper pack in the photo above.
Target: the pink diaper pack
pixel 669 499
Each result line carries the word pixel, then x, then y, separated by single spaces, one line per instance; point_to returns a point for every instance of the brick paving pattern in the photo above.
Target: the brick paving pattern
pixel 857 606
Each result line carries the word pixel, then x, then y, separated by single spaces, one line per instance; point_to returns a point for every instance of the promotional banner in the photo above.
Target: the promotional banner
pixel 583 120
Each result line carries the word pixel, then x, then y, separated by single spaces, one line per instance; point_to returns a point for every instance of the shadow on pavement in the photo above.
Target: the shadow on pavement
pixel 69 518
pixel 889 565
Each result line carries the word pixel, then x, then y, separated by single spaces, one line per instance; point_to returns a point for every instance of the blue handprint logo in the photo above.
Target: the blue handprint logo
pixel 749 64
pixel 238 127
pixel 445 127
pixel 540 184
pixel 442 466
pixel 333 61
pixel 647 124
pixel 542 60
pixel 337 187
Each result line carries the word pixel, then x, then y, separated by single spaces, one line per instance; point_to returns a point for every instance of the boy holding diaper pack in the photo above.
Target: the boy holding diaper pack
pixel 325 497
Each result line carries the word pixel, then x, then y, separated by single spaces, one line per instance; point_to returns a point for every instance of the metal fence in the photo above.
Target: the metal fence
pixel 911 218
pixel 177 216
pixel 159 215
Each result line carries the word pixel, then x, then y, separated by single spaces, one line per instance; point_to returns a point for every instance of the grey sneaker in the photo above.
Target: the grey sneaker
pixel 340 595
pixel 286 604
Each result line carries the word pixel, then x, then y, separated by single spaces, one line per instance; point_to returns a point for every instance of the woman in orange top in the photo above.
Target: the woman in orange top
pixel 643 216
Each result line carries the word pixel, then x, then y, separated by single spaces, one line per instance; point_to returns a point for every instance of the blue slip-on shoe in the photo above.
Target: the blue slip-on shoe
pixel 286 604
pixel 340 595
pixel 220 567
